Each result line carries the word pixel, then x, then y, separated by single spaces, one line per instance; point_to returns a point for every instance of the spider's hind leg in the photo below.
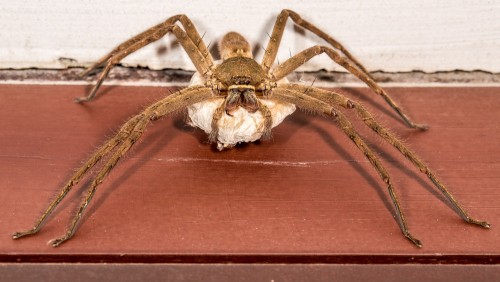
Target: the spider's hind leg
pixel 114 149
pixel 103 151
pixel 367 118
pixel 131 137
pixel 314 105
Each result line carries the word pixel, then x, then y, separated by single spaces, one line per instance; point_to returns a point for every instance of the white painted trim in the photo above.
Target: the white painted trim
pixel 388 35
pixel 316 84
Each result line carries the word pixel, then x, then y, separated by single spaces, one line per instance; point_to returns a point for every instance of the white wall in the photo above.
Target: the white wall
pixel 390 35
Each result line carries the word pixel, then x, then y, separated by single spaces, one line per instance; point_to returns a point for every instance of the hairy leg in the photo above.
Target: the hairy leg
pixel 202 63
pixel 214 134
pixel 341 100
pixel 115 148
pixel 186 24
pixel 268 120
pixel 279 27
pixel 299 59
pixel 314 105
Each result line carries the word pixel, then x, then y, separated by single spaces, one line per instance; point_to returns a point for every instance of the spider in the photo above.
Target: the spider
pixel 239 100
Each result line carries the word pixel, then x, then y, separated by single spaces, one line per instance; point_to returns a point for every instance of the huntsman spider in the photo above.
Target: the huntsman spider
pixel 239 100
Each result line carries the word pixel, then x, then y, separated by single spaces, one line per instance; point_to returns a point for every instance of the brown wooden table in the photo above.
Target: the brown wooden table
pixel 306 196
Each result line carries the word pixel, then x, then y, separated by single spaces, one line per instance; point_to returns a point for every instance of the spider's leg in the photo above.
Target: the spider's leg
pixel 340 100
pixel 127 143
pixel 171 103
pixel 314 105
pixel 202 64
pixel 186 24
pixel 127 135
pixel 77 176
pixel 218 113
pixel 279 27
pixel 349 61
pixel 299 59
pixel 268 120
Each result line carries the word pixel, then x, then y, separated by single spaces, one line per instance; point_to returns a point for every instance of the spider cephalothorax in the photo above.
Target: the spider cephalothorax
pixel 240 78
pixel 240 75
pixel 240 71
pixel 239 100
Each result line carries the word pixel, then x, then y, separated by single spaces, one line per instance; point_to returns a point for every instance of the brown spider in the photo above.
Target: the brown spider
pixel 238 88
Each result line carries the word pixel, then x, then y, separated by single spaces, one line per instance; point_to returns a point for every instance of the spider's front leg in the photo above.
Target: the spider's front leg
pixel 114 149
pixel 348 61
pixel 190 41
pixel 186 23
pixel 299 59
pixel 279 29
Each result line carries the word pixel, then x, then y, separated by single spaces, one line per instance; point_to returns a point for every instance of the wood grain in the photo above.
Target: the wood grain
pixel 308 192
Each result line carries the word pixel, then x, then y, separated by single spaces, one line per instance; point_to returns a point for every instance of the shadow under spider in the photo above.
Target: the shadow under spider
pixel 344 154
pixel 406 166
pixel 400 162
pixel 155 143
pixel 102 91
pixel 376 102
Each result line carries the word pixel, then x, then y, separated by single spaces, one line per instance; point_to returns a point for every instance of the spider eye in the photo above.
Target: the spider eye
pixel 241 80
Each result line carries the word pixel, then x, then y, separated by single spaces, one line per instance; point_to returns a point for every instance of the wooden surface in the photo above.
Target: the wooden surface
pixel 306 195
pixel 248 272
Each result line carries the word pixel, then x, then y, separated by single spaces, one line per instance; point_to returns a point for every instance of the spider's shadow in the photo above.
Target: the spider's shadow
pixel 375 101
pixel 155 142
pixel 103 90
pixel 403 166
pixel 302 120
